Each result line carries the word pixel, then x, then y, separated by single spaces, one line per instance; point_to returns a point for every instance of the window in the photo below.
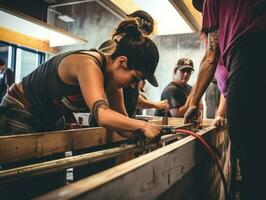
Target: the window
pixel 21 60
pixel 26 62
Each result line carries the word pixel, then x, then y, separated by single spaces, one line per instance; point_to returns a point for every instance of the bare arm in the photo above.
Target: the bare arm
pixel 221 111
pixel 144 103
pixel 116 99
pixel 91 83
pixel 207 68
pixel 116 103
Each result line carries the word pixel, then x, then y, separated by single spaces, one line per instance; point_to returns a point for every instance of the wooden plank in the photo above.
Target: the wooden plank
pixel 64 163
pixel 10 36
pixel 175 121
pixel 28 146
pixel 47 167
pixel 37 145
pixel 144 177
pixel 188 12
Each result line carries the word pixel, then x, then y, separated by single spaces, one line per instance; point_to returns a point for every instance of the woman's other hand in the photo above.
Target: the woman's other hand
pixel 162 105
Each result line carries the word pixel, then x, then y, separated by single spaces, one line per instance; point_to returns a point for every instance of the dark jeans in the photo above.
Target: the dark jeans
pixel 246 110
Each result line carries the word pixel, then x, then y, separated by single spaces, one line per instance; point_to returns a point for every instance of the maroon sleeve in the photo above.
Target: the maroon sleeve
pixel 210 20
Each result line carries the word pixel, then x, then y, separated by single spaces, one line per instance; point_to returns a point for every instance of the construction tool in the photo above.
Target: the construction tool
pixel 165 117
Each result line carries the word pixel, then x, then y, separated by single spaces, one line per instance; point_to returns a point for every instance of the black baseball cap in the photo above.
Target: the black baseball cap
pixel 148 64
pixel 183 63
pixel 198 4
pixel 143 57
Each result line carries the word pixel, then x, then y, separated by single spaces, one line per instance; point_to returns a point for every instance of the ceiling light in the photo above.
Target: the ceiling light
pixel 64 18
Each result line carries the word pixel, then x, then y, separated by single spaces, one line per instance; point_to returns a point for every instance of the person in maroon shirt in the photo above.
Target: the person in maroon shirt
pixel 235 31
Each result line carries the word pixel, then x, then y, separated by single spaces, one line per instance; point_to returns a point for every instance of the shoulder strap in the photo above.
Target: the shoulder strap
pixel 101 62
pixel 104 59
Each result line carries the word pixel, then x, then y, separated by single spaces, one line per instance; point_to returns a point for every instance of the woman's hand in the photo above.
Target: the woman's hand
pixel 219 121
pixel 151 130
pixel 162 105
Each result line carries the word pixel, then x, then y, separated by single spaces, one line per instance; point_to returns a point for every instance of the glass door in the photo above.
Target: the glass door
pixel 26 62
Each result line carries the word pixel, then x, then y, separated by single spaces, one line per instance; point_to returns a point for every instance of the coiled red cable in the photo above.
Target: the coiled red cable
pixel 211 153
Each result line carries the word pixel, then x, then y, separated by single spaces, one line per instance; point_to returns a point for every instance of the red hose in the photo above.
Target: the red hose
pixel 211 153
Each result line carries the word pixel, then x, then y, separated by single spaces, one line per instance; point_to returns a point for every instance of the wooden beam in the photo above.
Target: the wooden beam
pixel 37 145
pixel 128 6
pixel 64 163
pixel 119 7
pixel 147 176
pixel 123 8
pixel 10 36
pixel 127 147
pixel 188 12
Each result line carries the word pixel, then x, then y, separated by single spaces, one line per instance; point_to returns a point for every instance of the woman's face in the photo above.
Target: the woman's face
pixel 122 76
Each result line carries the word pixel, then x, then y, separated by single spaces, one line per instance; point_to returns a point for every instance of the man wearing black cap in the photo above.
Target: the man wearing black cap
pixel 177 91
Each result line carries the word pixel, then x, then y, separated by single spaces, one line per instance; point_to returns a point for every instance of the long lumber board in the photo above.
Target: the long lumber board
pixel 46 167
pixel 145 177
pixel 27 146
pixel 37 145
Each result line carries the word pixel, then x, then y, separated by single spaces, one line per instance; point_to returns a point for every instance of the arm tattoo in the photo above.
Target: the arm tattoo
pixel 99 103
pixel 213 44
pixel 213 47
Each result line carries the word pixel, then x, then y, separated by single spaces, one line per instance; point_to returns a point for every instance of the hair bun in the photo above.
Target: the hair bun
pixel 128 27
pixel 132 30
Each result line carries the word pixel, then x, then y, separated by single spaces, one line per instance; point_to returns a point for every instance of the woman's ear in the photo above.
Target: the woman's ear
pixel 123 61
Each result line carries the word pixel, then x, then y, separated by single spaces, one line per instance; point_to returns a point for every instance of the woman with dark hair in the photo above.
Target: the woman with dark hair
pixel 82 81
pixel 131 95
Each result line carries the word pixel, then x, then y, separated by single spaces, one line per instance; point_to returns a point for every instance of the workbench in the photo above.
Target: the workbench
pixel 175 167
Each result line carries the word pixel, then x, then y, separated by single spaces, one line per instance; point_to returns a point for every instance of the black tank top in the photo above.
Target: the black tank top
pixel 49 96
